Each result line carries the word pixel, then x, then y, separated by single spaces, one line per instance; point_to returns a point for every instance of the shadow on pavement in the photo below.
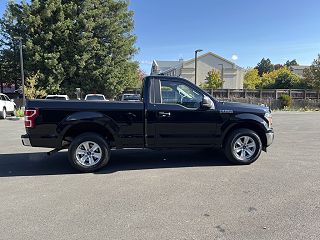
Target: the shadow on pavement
pixel 33 164
pixel 13 118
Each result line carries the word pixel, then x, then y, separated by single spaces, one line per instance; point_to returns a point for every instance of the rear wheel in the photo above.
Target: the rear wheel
pixel 3 114
pixel 89 152
pixel 243 146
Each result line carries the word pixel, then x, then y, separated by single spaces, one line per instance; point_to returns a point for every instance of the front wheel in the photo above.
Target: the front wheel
pixel 89 152
pixel 3 114
pixel 243 146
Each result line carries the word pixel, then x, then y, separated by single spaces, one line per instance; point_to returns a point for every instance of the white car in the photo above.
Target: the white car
pixel 57 97
pixel 95 97
pixel 7 106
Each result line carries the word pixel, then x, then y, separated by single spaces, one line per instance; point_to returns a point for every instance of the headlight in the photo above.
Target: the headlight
pixel 268 116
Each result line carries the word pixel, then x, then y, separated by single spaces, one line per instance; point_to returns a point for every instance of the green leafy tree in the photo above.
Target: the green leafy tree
pixel 252 79
pixel 264 66
pixel 213 80
pixel 88 44
pixel 32 89
pixel 291 63
pixel 282 78
pixel 9 50
pixel 312 75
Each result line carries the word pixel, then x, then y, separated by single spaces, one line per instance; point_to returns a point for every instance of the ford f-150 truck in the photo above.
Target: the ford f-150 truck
pixel 173 113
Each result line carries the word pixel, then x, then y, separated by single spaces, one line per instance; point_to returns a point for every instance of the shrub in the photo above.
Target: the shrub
pixel 286 101
pixel 19 113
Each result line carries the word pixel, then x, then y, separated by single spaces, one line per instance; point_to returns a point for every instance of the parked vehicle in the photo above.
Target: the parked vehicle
pixel 7 106
pixel 95 97
pixel 131 97
pixel 174 114
pixel 57 97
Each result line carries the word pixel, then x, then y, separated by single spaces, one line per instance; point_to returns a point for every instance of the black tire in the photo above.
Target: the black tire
pixel 233 150
pixel 78 144
pixel 13 114
pixel 3 114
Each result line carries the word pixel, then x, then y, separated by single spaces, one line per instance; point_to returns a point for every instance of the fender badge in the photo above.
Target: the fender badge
pixel 226 111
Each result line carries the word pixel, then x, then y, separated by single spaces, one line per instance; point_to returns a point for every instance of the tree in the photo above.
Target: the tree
pixel 213 80
pixel 312 75
pixel 264 66
pixel 282 78
pixel 9 50
pixel 291 63
pixel 141 76
pixel 31 89
pixel 277 66
pixel 87 44
pixel 252 79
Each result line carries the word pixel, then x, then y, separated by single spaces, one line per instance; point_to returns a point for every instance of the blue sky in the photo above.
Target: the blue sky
pixel 250 29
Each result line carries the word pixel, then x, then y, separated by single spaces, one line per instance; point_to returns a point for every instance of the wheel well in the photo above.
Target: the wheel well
pixel 250 126
pixel 81 128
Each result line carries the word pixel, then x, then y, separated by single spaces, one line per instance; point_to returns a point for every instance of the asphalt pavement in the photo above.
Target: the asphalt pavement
pixel 145 194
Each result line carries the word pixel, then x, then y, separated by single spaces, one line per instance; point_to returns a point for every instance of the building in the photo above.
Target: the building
pixel 232 74
pixel 298 69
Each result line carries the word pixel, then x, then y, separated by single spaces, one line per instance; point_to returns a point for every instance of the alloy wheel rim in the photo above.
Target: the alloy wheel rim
pixel 244 148
pixel 88 153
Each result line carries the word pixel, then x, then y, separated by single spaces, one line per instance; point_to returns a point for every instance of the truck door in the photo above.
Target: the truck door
pixel 177 117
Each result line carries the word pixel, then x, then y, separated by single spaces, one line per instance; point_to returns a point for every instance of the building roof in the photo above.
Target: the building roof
pixel 299 67
pixel 213 54
pixel 165 65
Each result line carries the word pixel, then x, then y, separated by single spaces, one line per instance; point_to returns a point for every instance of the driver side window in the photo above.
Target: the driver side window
pixel 179 93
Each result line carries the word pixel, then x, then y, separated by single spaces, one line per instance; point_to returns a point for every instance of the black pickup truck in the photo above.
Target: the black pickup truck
pixel 173 113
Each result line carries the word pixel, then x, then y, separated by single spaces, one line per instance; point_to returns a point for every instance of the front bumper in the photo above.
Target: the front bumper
pixel 26 140
pixel 270 137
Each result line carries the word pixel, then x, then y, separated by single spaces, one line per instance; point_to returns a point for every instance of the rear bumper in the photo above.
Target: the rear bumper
pixel 270 137
pixel 26 140
pixel 43 142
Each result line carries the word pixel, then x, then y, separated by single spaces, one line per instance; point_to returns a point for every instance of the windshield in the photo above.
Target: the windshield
pixel 135 97
pixel 56 98
pixel 95 97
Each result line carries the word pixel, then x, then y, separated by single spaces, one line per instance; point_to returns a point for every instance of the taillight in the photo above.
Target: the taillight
pixel 30 116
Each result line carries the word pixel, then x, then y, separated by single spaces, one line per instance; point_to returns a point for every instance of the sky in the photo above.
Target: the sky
pixel 250 29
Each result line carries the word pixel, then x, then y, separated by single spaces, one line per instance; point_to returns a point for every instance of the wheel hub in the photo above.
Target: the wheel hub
pixel 244 148
pixel 88 153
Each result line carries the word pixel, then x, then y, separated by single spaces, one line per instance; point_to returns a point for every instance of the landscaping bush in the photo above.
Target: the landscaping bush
pixel 286 101
pixel 19 113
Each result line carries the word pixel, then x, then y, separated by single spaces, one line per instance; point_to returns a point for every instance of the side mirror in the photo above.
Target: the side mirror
pixel 206 103
pixel 11 100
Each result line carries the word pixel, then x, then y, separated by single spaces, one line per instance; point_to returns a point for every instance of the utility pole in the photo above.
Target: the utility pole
pixel 22 71
pixel 196 64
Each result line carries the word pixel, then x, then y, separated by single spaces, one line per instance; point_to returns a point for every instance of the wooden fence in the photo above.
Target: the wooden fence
pixel 260 93
pixel 263 93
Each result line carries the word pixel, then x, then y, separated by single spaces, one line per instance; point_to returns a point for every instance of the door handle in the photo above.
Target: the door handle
pixel 164 114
